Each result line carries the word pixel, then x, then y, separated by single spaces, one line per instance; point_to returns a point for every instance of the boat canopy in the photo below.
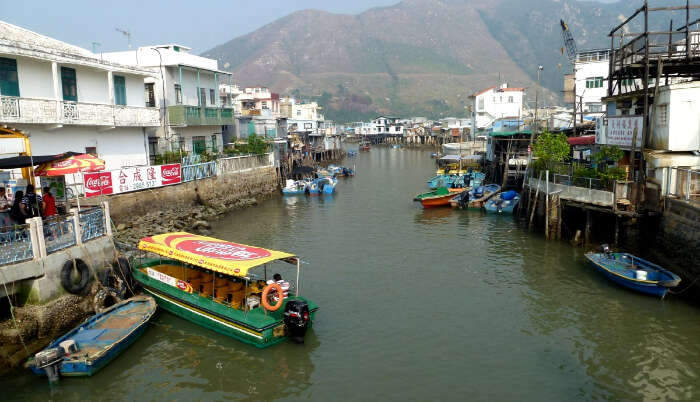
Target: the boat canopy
pixel 214 254
pixel 457 158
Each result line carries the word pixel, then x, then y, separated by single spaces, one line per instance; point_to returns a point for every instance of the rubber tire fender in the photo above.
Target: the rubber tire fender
pixel 83 270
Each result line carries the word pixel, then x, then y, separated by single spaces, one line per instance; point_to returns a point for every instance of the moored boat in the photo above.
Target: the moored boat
pixel 225 287
pixel 323 185
pixel 365 146
pixel 503 202
pixel 479 195
pixel 93 344
pixel 295 187
pixel 633 272
pixel 438 198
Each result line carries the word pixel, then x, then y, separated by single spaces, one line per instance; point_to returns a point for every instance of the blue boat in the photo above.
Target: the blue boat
pixel 295 187
pixel 352 154
pixel 633 272
pixel 93 344
pixel 477 196
pixel 503 202
pixel 323 185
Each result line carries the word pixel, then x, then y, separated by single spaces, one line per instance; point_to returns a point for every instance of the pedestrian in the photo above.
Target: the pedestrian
pixel 277 278
pixel 16 213
pixel 49 203
pixel 32 205
pixel 4 208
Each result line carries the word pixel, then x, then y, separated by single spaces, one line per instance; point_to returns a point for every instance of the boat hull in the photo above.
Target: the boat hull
pixel 650 287
pixel 502 206
pixel 437 201
pixel 218 317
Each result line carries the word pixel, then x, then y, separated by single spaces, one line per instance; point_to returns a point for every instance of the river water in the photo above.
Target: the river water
pixel 415 305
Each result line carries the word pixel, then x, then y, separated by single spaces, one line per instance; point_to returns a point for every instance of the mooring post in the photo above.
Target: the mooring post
pixel 546 209
pixel 587 238
pixel 617 230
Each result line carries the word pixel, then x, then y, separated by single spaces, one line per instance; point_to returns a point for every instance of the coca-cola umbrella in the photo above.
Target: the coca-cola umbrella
pixel 82 163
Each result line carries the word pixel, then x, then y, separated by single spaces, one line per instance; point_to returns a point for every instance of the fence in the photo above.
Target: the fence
pixel 15 244
pixel 59 233
pixel 198 171
pixel 243 163
pixel 585 182
pixel 683 183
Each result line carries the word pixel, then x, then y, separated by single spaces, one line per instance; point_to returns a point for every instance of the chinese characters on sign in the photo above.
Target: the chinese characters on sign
pixel 620 131
pixel 131 179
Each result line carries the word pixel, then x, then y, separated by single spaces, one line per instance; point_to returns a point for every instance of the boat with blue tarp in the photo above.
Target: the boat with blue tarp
pixel 476 197
pixel 633 272
pixel 93 344
pixel 295 187
pixel 322 185
pixel 503 202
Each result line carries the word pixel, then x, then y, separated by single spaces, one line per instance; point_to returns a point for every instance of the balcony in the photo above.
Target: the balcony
pixel 183 115
pixel 46 111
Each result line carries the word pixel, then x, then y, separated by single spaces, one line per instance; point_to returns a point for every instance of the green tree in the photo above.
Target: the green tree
pixel 551 149
pixel 608 154
pixel 257 145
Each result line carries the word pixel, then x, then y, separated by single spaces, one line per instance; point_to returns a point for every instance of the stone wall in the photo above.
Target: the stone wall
pixel 677 242
pixel 188 206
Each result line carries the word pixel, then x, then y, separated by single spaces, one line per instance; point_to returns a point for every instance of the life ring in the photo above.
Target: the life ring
pixel 266 292
pixel 67 281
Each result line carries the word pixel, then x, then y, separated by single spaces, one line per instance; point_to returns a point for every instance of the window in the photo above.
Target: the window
pixel 69 83
pixel 9 84
pixel 594 82
pixel 263 105
pixel 510 99
pixel 202 97
pixel 481 104
pixel 298 112
pixel 178 94
pixel 214 148
pixel 212 97
pixel 150 95
pixel 595 107
pixel 119 90
pixel 199 144
pixel 91 151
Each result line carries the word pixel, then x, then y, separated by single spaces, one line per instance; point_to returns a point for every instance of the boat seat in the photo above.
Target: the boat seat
pixel 206 289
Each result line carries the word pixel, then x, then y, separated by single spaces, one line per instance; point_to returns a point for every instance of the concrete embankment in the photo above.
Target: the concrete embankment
pixel 188 206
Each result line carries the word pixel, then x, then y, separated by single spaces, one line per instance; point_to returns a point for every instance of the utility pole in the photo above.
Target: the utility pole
pixel 537 94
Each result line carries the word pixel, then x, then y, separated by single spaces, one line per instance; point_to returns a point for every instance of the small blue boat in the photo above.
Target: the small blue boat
pixel 633 272
pixel 93 344
pixel 295 187
pixel 352 154
pixel 477 196
pixel 323 185
pixel 503 202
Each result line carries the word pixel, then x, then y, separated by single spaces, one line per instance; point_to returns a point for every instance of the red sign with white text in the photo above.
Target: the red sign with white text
pixel 170 174
pixel 222 250
pixel 131 179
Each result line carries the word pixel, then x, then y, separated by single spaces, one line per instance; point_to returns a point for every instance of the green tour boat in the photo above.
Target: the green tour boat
pixel 224 286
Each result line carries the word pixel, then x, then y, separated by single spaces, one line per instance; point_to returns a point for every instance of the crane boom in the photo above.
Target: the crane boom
pixel 569 43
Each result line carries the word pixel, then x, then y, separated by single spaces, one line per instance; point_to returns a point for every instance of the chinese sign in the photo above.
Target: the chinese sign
pixel 131 179
pixel 620 131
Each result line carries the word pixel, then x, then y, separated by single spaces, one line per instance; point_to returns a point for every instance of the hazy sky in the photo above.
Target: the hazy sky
pixel 200 25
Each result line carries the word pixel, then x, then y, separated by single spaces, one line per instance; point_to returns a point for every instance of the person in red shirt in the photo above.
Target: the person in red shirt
pixel 50 208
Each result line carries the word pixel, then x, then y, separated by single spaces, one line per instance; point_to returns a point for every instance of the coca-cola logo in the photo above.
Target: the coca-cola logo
pixel 171 172
pixel 98 182
pixel 222 250
pixel 63 164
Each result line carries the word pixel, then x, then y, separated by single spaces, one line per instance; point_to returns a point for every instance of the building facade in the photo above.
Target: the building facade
pixel 496 102
pixel 69 99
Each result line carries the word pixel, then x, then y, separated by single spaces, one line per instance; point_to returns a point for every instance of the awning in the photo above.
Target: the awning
pixel 210 253
pixel 509 133
pixel 17 162
pixel 582 140
pixel 83 163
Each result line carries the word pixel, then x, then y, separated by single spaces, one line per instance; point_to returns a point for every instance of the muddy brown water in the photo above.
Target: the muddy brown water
pixel 415 305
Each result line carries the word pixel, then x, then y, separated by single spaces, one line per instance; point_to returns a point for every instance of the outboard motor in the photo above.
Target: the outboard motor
pixel 606 249
pixel 296 319
pixel 50 360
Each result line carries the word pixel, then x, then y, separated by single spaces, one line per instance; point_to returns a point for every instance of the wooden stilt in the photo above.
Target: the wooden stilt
pixel 534 205
pixel 587 237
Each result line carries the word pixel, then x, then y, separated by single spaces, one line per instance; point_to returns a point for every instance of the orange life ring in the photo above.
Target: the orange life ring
pixel 266 293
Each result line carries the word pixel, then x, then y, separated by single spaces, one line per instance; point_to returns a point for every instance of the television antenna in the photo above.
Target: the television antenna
pixel 125 33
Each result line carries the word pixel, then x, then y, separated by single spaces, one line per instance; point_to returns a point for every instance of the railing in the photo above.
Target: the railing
pixel 572 193
pixel 683 183
pixel 15 244
pixel 184 115
pixel 585 182
pixel 92 224
pixel 59 233
pixel 47 111
pixel 243 163
pixel 192 169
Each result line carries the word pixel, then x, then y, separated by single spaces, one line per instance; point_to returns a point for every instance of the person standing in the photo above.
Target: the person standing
pixel 49 203
pixel 16 211
pixel 4 209
pixel 32 204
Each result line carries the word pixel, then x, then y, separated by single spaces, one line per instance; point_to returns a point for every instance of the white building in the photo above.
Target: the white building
pixel 591 79
pixel 187 88
pixel 69 99
pixel 496 102
pixel 388 125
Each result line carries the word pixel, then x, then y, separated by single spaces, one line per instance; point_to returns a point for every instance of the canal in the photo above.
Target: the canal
pixel 415 305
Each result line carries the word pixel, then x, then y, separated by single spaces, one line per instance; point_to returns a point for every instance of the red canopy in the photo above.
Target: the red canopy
pixel 583 140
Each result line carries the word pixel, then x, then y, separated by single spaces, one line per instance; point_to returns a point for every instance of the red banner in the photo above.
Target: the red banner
pixel 170 174
pixel 98 184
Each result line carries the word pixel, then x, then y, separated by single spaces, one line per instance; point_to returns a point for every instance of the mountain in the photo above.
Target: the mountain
pixel 418 57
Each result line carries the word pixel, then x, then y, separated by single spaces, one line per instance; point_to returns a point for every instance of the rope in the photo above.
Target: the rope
pixel 12 314
pixel 687 287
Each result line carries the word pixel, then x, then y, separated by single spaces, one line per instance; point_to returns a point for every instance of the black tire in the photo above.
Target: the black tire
pixel 71 286
pixel 122 269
